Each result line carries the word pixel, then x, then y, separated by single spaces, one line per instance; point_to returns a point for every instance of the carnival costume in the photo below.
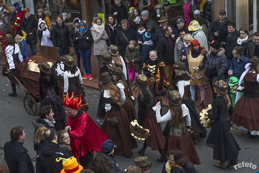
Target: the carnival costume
pixel 115 123
pixel 179 138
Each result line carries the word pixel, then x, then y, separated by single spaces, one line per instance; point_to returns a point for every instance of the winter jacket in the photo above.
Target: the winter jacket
pixel 13 18
pixel 184 51
pixel 248 47
pixel 46 158
pixel 201 37
pixel 158 34
pixel 231 42
pixel 238 67
pixel 60 36
pixel 121 42
pixel 139 37
pixel 164 50
pixel 71 37
pixel 222 28
pixel 112 33
pixel 206 31
pixel 147 46
pixel 30 25
pixel 134 55
pixel 17 158
pixel 188 167
pixel 217 60
pixel 48 23
pixel 122 12
pixel 177 49
pixel 100 41
pixel 256 50
pixel 82 42
pixel 115 167
pixel 152 24
pixel 18 20
pixel 174 169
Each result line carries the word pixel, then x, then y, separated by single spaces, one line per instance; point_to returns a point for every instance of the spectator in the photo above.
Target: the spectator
pixel 46 157
pixel 41 15
pixel 5 14
pixel 64 140
pixel 246 42
pixel 45 118
pixel 231 41
pixel 186 46
pixel 13 16
pixel 238 63
pixel 166 7
pixel 177 163
pixel 195 65
pixel 108 149
pixel 204 27
pixel 29 25
pixel 133 169
pixel 196 15
pixel 44 34
pixel 142 29
pixel 72 31
pixel 15 155
pixel 256 44
pixel 13 56
pixel 143 163
pixel 18 20
pixel 198 34
pixel 147 46
pixel 49 93
pixel 123 37
pixel 83 38
pixel 101 164
pixel 60 36
pixel 179 44
pixel 119 11
pixel 159 31
pixel 21 41
pixel 219 28
pixel 39 139
pixel 180 24
pixel 165 52
pixel 78 126
pixel 216 64
pixel 100 38
pixel 135 19
pixel 173 15
pixel 111 29
pixel 149 22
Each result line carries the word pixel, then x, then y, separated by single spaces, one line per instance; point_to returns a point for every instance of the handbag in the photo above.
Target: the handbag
pixel 15 56
pixel 113 121
pixel 125 37
pixel 131 72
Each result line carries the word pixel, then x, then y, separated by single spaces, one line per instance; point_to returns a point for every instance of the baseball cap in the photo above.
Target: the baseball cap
pixel 166 3
pixel 196 12
pixel 222 12
pixel 180 20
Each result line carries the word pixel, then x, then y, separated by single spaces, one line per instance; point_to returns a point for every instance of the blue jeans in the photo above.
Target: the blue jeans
pixel 33 49
pixel 77 58
pixel 86 58
pixel 63 51
pixel 229 62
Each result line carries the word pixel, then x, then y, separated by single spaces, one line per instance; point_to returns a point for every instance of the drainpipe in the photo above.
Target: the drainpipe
pixel 104 11
pixel 254 16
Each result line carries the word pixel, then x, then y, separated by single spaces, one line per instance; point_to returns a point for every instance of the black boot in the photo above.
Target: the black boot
pixel 162 159
pixel 141 152
pixel 13 94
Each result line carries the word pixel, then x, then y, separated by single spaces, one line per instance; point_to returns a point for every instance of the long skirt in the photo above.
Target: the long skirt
pixel 130 109
pixel 120 133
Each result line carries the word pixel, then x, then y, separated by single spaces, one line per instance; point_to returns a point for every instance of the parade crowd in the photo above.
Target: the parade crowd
pixel 172 58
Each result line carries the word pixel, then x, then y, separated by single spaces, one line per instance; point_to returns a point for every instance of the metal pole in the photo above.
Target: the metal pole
pixel 104 11
pixel 60 7
pixel 254 16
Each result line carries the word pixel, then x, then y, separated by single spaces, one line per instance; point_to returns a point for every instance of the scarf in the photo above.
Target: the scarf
pixel 50 123
pixel 98 28
pixel 141 32
pixel 82 30
pixel 241 41
pixel 185 45
pixel 168 168
pixel 113 27
pixel 137 20
pixel 26 16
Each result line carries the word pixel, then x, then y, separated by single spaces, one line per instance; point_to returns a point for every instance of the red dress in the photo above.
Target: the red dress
pixel 85 135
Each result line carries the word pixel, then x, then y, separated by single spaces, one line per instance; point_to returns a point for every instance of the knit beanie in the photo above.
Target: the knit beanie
pixel 145 13
pixel 147 36
pixel 18 8
pixel 41 11
pixel 215 44
pixel 16 4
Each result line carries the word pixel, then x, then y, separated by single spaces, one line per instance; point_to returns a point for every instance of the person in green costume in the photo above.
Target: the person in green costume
pixel 233 85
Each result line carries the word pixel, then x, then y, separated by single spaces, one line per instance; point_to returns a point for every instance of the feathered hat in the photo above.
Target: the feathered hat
pixel 72 102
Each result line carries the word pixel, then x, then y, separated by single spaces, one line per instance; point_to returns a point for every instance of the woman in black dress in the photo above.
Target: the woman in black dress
pixel 225 147
pixel 49 93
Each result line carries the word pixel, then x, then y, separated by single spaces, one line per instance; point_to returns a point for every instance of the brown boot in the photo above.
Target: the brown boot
pixel 220 165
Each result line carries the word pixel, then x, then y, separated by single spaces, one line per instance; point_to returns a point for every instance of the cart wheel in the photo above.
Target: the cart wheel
pixel 30 105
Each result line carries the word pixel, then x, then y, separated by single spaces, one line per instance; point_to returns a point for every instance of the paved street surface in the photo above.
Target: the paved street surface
pixel 13 114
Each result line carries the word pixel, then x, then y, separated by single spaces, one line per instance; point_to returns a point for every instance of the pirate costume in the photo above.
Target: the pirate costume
pixel 49 93
pixel 179 137
pixel 220 138
pixel 115 123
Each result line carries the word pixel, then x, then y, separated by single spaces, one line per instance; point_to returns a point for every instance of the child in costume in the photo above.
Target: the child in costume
pixel 233 85
pixel 18 20
pixel 21 41
pixel 44 34
pixel 70 165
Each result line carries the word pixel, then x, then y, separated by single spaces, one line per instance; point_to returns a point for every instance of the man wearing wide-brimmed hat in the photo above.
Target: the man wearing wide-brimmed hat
pixel 159 30
pixel 143 163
